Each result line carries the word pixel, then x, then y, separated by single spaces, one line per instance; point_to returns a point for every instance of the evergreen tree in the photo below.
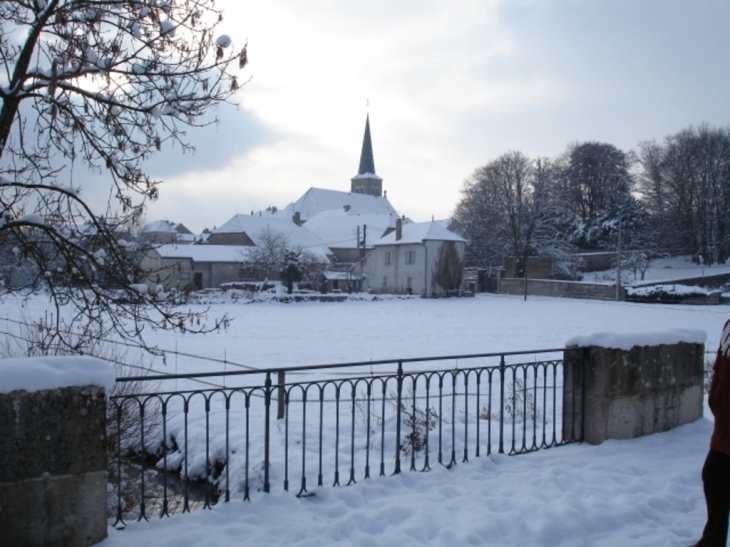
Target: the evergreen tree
pixel 292 271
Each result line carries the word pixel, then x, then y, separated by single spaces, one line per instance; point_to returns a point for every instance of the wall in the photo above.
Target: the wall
pixel 223 272
pixel 627 394
pixel 53 475
pixel 598 261
pixel 537 268
pixel 171 273
pixel 570 289
pixel 703 281
pixel 397 273
pixel 229 238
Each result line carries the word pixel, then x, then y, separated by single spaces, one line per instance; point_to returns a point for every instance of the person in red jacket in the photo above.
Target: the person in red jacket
pixel 716 471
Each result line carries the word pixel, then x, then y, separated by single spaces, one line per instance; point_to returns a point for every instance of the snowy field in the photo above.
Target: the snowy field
pixel 640 492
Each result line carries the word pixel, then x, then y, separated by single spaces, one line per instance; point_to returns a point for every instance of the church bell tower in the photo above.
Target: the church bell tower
pixel 366 181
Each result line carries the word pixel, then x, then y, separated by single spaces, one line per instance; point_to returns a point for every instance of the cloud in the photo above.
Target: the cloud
pixel 450 85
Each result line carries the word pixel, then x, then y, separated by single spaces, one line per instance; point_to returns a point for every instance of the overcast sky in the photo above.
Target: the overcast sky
pixel 451 84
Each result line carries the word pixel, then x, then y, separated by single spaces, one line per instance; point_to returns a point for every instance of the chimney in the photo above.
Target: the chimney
pixel 297 218
pixel 398 229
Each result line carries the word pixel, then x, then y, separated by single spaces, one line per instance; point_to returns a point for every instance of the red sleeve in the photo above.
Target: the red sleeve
pixel 714 384
pixel 718 397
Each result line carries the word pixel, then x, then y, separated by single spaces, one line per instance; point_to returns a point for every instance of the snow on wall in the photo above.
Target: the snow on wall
pixel 41 373
pixel 626 341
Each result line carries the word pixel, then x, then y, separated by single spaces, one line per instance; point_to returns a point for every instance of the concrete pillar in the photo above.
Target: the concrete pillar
pixel 628 394
pixel 53 467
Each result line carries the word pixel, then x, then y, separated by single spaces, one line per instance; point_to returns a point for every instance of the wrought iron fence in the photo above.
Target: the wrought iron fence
pixel 300 428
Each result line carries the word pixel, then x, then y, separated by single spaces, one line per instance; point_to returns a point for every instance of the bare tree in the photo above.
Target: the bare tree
pixel 105 84
pixel 448 268
pixel 313 268
pixel 274 251
pixel 268 256
pixel 687 184
pixel 508 209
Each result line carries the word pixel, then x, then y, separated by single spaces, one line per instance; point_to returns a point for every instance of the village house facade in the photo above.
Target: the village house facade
pixel 404 261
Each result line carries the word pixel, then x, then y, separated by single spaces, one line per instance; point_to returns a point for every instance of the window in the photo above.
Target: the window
pixel 247 272
pixel 388 257
pixel 385 281
pixel 374 191
pixel 359 189
pixel 409 283
pixel 410 257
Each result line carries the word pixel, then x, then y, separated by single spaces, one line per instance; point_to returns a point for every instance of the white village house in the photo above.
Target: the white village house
pixel 404 261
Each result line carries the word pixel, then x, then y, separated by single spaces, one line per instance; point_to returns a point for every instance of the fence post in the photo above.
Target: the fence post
pixel 501 404
pixel 267 433
pixel 281 395
pixel 398 417
pixel 583 359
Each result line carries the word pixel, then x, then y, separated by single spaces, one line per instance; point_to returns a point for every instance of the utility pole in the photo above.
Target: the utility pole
pixel 618 264
pixel 364 251
pixel 524 269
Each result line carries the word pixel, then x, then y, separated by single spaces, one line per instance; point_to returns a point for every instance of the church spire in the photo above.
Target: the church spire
pixel 366 181
pixel 367 162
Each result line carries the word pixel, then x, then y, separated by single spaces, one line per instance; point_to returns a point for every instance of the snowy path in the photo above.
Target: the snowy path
pixel 642 492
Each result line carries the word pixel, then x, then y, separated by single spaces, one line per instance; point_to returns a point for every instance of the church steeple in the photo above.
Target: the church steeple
pixel 367 162
pixel 366 181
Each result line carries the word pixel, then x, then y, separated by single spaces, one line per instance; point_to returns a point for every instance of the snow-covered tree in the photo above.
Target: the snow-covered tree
pixel 103 85
pixel 291 271
pixel 686 181
pixel 509 208
pixel 268 256
pixel 595 175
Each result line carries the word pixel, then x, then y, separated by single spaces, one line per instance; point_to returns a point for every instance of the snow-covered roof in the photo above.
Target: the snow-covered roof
pixel 316 200
pixel 254 226
pixel 338 228
pixel 418 232
pixel 165 226
pixel 189 238
pixel 221 253
pixel 42 373
pixel 205 253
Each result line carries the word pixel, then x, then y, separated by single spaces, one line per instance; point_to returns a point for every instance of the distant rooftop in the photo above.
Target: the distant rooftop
pixel 338 228
pixel 418 232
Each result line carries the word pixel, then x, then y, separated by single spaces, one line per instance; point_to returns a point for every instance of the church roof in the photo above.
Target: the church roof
pixel 339 228
pixel 367 161
pixel 316 200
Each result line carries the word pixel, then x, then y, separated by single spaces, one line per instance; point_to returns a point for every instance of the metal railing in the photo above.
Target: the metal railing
pixel 299 428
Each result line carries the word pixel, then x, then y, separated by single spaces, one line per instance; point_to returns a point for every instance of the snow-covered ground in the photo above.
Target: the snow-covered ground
pixel 641 492
pixel 662 269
